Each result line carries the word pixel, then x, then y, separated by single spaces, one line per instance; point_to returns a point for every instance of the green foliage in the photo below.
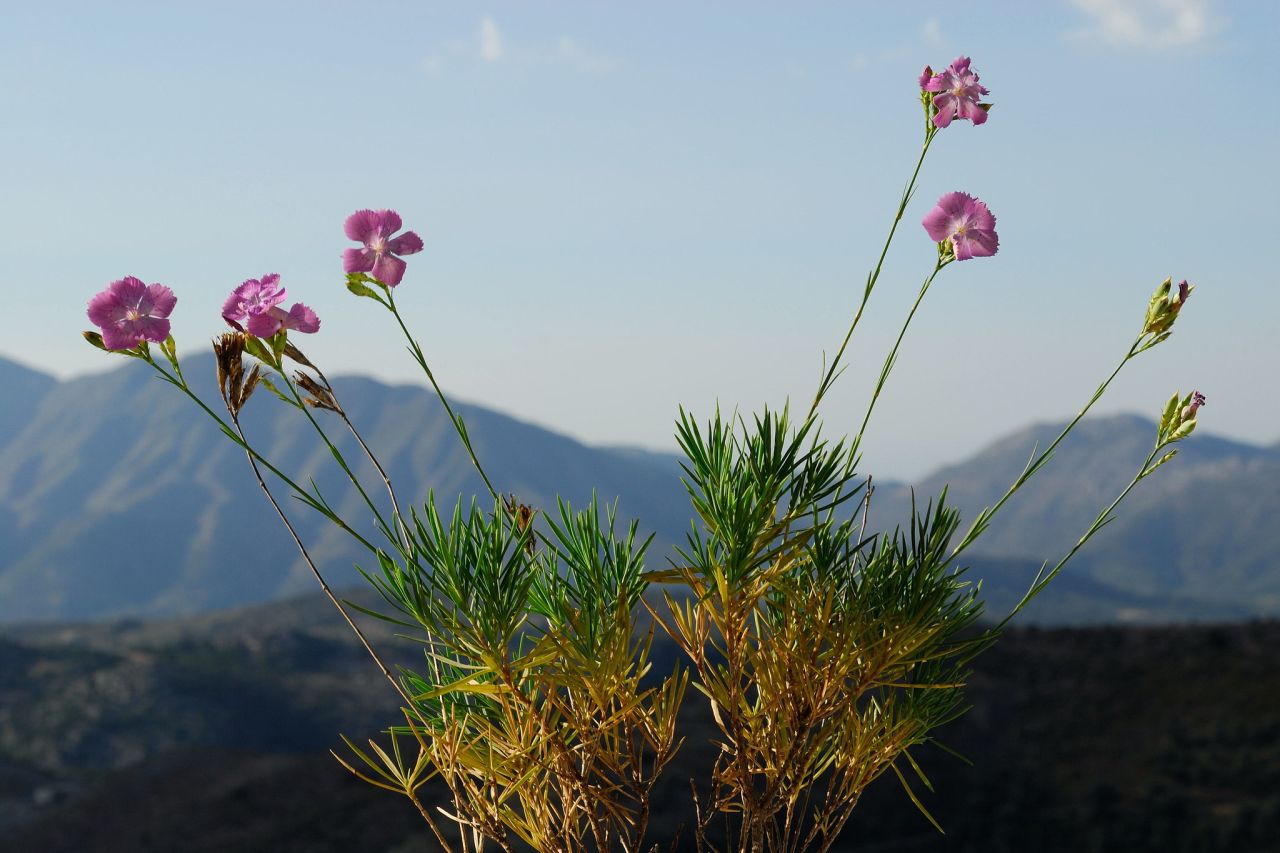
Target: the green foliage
pixel 533 704
pixel 826 653
pixel 362 284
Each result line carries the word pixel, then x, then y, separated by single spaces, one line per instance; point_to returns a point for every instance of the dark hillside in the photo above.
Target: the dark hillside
pixel 212 735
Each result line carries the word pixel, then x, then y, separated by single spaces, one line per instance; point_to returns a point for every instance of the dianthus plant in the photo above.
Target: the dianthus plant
pixel 826 651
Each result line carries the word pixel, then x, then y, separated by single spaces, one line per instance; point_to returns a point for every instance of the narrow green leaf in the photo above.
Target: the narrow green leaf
pixel 919 805
pixel 274 390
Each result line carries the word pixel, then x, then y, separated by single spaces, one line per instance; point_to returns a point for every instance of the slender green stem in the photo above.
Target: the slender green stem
pixel 303 494
pixel 1042 580
pixel 410 707
pixel 398 516
pixel 337 455
pixel 406 540
pixel 893 353
pixel 832 372
pixel 458 425
pixel 983 520
pixel 236 433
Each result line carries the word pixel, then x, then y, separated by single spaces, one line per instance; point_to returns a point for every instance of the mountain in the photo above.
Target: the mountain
pixel 1194 540
pixel 209 733
pixel 21 390
pixel 125 499
pixel 118 497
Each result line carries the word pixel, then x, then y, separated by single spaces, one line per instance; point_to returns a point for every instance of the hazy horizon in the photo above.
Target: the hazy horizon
pixel 883 473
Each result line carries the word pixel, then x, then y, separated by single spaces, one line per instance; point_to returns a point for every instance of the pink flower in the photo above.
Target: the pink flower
pixel 129 312
pixel 256 304
pixel 379 255
pixel 966 223
pixel 958 93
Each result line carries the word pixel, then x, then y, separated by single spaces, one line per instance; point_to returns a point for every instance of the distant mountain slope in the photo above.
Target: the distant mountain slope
pixel 117 496
pixel 126 499
pixel 21 390
pixel 1196 540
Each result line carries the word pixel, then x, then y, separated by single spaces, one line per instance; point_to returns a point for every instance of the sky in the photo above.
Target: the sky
pixel 632 207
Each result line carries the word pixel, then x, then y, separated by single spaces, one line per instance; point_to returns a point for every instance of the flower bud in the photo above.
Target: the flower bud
pixel 1179 418
pixel 1165 304
pixel 1189 410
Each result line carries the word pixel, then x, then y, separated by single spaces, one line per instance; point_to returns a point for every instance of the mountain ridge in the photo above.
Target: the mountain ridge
pixel 118 497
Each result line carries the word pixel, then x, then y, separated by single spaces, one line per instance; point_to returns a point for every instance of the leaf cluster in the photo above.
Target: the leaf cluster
pixel 533 705
pixel 826 652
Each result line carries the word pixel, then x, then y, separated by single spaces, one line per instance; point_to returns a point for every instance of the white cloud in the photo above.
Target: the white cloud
pixel 932 31
pixel 490 47
pixel 1149 24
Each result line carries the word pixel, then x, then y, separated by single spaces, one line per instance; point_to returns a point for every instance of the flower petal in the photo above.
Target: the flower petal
pixel 986 243
pixel 130 290
pixel 973 112
pixel 931 82
pixel 116 338
pixel 938 223
pixel 105 309
pixel 161 299
pixel 153 328
pixel 975 244
pixel 266 324
pixel 233 308
pixel 358 260
pixel 980 216
pixel 389 269
pixel 302 319
pixel 946 107
pixel 407 243
pixel 390 222
pixel 958 204
pixel 361 225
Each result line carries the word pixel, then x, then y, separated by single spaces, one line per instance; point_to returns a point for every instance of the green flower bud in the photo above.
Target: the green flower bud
pixel 1164 306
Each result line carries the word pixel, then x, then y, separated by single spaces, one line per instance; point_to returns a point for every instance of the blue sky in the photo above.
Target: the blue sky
pixel 632 207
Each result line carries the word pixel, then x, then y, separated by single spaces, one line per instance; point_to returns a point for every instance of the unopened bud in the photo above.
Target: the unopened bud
pixel 1189 410
pixel 1165 304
